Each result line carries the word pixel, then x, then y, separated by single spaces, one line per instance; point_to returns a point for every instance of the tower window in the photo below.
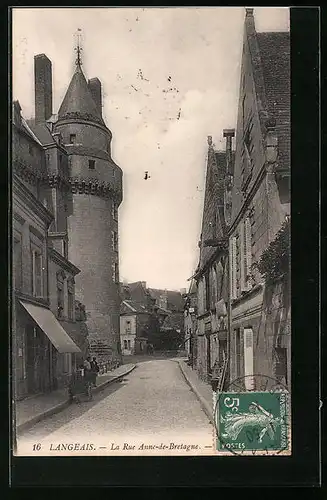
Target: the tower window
pixel 72 138
pixel 91 164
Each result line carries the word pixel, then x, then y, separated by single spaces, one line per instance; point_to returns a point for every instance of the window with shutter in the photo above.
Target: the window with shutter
pixel 248 358
pixel 17 264
pixel 207 285
pixel 71 301
pixel 242 258
pixel 237 264
pixel 233 267
pixel 248 252
pixel 37 273
pixel 237 353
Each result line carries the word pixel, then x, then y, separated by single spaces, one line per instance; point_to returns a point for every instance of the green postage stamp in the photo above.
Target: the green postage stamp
pixel 252 423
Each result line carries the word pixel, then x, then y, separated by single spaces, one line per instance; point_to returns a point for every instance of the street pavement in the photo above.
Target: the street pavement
pixel 151 411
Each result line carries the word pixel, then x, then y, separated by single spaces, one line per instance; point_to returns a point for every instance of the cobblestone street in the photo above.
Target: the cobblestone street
pixel 152 404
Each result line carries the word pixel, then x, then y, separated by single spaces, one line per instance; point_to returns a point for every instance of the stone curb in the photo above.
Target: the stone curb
pixel 62 406
pixel 204 404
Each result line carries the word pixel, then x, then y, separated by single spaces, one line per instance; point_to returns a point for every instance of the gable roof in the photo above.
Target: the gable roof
pixel 131 307
pixel 213 223
pixel 274 49
pixel 78 99
pixel 29 131
pixel 175 300
pixel 42 132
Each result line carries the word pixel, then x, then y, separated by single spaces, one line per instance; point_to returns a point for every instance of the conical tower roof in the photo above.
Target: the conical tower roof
pixel 78 101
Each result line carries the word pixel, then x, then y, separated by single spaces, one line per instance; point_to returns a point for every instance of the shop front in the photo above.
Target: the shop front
pixel 48 351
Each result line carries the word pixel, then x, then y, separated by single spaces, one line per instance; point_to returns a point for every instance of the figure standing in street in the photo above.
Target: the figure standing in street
pixel 94 371
pixel 88 376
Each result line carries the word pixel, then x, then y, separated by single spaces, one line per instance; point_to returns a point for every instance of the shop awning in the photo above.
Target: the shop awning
pixel 48 323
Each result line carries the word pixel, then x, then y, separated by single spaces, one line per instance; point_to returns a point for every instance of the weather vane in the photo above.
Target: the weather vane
pixel 78 49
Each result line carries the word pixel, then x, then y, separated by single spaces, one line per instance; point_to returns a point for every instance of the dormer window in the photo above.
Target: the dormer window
pixel 91 164
pixel 72 138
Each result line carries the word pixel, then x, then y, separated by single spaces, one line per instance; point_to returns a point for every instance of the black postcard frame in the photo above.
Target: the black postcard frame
pixel 303 468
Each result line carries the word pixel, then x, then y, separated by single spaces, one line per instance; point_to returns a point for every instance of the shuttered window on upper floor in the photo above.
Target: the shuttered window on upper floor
pixel 233 267
pixel 245 257
pixel 37 272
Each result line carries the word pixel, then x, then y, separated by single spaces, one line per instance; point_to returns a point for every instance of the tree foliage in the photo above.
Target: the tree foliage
pixel 275 260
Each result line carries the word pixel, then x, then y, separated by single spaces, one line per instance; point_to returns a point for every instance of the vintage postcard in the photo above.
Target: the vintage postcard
pixel 150 284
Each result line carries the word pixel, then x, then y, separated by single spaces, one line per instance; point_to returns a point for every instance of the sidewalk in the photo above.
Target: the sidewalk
pixel 34 409
pixel 201 389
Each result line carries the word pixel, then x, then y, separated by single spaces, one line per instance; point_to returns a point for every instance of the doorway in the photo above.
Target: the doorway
pixel 248 359
pixel 38 361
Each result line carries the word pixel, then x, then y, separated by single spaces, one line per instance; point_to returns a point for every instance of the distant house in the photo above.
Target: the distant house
pixel 133 334
pixel 135 317
pixel 169 306
pixel 150 316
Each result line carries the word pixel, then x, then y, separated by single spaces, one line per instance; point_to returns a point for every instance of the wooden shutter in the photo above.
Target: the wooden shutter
pixel 242 258
pixel 248 358
pixel 232 264
pixel 248 252
pixel 33 274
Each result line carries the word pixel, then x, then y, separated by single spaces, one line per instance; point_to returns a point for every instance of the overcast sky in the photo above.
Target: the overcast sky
pixel 160 119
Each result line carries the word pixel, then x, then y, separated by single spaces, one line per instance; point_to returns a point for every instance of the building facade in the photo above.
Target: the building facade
pixel 260 307
pixel 243 276
pixel 136 318
pixel 154 316
pixel 211 275
pixel 128 329
pixel 44 354
pixel 88 234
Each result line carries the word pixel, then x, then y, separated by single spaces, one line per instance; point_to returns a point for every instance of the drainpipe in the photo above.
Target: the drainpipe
pixel 229 134
pixel 229 323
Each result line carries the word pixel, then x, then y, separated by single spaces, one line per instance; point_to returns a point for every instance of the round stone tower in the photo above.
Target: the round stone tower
pixel 96 186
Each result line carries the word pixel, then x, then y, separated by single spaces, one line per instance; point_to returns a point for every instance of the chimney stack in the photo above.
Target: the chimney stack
pixel 43 88
pixel 95 88
pixel 249 21
pixel 229 133
pixel 17 117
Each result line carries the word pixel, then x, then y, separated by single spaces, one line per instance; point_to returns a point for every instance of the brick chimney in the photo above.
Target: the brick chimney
pixel 17 117
pixel 43 88
pixel 95 88
pixel 229 133
pixel 249 21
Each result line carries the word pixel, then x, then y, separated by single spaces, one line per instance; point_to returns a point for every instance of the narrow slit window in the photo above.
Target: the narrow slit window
pixel 91 164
